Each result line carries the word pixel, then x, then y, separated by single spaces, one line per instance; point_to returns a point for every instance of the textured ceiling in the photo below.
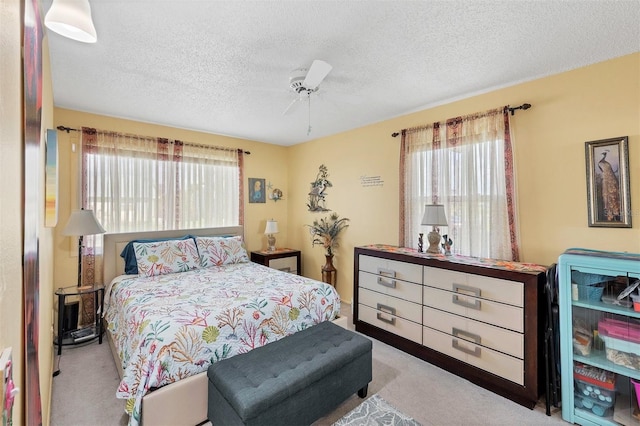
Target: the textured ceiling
pixel 223 66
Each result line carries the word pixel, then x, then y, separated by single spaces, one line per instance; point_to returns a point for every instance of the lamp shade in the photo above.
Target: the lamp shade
pixel 71 19
pixel 434 215
pixel 272 227
pixel 83 222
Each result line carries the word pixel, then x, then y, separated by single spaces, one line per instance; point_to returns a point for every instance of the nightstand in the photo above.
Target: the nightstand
pixel 283 259
pixel 93 298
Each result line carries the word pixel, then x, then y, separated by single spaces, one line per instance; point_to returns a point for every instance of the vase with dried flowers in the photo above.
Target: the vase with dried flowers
pixel 325 232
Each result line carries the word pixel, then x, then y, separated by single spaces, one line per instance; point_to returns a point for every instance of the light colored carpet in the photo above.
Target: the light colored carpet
pixel 84 392
pixel 375 411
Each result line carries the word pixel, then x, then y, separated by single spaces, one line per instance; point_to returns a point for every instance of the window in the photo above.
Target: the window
pixel 138 183
pixel 466 165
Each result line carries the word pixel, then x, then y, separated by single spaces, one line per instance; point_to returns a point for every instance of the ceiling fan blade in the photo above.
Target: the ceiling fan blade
pixel 290 107
pixel 318 71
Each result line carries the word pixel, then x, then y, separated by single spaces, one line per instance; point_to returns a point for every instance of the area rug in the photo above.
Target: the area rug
pixel 373 412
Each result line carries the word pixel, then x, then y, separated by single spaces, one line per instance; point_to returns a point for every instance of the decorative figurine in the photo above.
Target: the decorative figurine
pixel 446 245
pixel 420 242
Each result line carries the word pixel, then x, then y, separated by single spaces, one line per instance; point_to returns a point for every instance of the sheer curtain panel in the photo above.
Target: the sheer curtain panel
pixel 464 163
pixel 141 183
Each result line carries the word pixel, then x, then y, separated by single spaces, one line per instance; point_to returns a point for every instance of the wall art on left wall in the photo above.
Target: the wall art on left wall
pixel 51 179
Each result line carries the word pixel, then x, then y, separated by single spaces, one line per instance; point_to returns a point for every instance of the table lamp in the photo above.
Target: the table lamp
pixel 269 230
pixel 82 222
pixel 434 216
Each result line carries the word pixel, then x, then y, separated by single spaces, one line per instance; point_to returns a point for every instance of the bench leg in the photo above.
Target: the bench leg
pixel 362 393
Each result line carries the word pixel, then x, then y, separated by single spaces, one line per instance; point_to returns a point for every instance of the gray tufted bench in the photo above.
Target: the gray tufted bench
pixel 292 381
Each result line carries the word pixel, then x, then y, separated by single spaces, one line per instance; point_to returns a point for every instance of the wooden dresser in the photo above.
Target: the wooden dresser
pixel 481 319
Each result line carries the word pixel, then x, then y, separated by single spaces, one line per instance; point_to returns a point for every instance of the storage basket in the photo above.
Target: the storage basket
pixel 586 279
pixel 622 352
pixel 591 293
pixel 591 397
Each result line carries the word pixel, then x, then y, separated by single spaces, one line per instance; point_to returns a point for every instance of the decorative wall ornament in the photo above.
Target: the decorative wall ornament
pixel 257 190
pixel 317 194
pixel 275 195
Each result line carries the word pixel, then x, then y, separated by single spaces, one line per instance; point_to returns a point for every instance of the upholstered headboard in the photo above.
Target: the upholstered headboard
pixel 113 264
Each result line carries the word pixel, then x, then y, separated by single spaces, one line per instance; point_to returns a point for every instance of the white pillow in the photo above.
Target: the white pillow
pixel 166 257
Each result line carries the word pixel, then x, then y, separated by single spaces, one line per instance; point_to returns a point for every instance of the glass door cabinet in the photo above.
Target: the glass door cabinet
pixel 599 337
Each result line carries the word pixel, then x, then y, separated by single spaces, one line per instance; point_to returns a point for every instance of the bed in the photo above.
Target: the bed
pixel 166 327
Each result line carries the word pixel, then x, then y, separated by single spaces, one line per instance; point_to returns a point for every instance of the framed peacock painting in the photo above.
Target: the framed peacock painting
pixel 608 198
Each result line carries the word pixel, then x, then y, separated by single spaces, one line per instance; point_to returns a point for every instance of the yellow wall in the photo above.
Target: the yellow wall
pixel 265 161
pixel 595 102
pixel 591 103
pixel 11 300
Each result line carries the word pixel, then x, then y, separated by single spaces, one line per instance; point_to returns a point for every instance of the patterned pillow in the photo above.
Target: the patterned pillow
pixel 129 254
pixel 216 251
pixel 166 257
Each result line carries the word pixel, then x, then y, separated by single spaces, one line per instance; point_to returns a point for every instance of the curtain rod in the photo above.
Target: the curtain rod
pixel 69 129
pixel 512 110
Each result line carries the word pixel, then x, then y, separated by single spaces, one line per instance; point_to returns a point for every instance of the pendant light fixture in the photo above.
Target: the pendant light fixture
pixel 72 19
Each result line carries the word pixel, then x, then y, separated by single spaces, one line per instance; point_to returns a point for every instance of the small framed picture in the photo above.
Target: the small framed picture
pixel 608 196
pixel 257 190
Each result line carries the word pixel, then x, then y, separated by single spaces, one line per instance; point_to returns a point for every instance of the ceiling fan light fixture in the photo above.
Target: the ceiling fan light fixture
pixel 71 19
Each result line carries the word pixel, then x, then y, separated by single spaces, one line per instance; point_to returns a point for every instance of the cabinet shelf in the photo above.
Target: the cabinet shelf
pixel 605 307
pixel 598 358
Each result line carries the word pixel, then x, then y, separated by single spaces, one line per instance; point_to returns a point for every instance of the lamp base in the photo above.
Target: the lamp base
pixel 434 239
pixel 271 242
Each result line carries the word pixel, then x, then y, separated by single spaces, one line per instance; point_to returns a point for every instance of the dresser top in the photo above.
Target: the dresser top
pixel 506 265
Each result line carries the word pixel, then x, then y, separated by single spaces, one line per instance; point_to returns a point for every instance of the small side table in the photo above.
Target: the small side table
pixel 283 259
pixel 86 332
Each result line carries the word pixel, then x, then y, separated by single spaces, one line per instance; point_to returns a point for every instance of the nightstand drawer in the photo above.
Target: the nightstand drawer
pixel 287 264
pixel 283 259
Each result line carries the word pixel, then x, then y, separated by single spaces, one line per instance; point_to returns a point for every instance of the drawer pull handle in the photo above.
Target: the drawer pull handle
pixel 285 269
pixel 387 309
pixel 390 284
pixel 456 332
pixel 388 272
pixel 473 352
pixel 457 301
pixel 391 321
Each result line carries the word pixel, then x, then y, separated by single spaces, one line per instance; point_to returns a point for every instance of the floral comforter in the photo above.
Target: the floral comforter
pixel 173 326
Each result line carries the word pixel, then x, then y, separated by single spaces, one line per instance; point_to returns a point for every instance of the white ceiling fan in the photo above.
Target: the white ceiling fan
pixel 305 82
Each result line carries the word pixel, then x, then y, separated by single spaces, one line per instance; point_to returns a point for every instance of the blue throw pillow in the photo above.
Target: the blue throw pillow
pixel 129 255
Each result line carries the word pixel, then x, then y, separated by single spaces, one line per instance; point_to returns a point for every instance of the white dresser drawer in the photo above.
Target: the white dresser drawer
pixel 391 269
pixel 396 288
pixel 486 359
pixel 400 326
pixel 511 292
pixel 287 264
pixel 507 316
pixel 492 337
pixel 392 305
